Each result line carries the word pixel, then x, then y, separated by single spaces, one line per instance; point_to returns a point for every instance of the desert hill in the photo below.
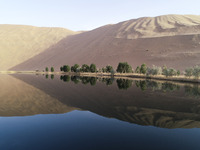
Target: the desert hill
pixel 171 40
pixel 18 43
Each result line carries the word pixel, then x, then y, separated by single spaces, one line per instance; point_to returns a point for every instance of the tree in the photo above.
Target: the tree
pixel 109 68
pixel 137 70
pixel 124 67
pixel 93 68
pixel 76 66
pixel 66 68
pixel 165 71
pixel 104 69
pixel 172 72
pixel 178 73
pixel 143 69
pixel 85 68
pixel 189 72
pixel 196 71
pixel 52 69
pixel 61 68
pixel 46 69
pixel 154 70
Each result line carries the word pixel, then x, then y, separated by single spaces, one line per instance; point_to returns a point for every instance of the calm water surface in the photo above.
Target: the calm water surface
pixel 39 112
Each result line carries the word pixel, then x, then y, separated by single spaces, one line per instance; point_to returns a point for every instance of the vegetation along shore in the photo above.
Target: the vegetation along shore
pixel 191 74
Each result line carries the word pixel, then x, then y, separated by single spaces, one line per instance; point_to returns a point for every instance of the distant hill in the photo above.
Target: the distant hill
pixel 19 43
pixel 171 40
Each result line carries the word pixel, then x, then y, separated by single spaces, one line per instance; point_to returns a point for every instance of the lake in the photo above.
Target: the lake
pixel 53 112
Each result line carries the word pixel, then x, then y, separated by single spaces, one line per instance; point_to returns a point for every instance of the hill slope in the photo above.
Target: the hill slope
pixel 20 43
pixel 171 40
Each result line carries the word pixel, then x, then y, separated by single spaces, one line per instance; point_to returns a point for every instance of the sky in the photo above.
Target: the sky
pixel 79 15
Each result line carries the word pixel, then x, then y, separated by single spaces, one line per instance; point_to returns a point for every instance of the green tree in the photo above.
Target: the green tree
pixel 46 69
pixel 109 68
pixel 189 72
pixel 85 68
pixel 93 68
pixel 124 67
pixel 172 72
pixel 61 68
pixel 52 69
pixel 165 71
pixel 75 68
pixel 196 71
pixel 104 69
pixel 143 69
pixel 178 73
pixel 66 68
pixel 137 70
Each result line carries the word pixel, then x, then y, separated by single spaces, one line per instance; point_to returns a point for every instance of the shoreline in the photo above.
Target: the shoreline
pixel 180 78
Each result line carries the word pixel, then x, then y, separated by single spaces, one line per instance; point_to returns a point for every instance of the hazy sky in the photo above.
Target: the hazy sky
pixel 88 14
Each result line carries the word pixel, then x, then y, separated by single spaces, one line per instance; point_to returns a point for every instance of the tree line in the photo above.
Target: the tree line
pixel 124 67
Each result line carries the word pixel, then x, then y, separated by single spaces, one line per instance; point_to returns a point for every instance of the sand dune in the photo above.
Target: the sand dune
pixel 19 43
pixel 167 25
pixel 172 40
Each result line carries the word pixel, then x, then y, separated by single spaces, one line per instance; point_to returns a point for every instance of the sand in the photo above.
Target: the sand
pixel 171 40
pixel 19 43
pixel 106 45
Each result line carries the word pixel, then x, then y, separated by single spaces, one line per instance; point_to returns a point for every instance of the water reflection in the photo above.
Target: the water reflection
pixel 124 84
pixel 144 102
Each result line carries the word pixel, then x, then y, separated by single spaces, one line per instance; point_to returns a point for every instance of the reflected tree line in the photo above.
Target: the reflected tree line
pixel 124 84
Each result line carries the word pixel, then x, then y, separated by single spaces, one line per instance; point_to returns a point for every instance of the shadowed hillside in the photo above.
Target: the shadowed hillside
pixel 19 43
pixel 171 40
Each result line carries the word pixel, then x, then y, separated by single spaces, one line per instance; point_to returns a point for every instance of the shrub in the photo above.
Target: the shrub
pixel 189 72
pixel 46 69
pixel 143 69
pixel 93 68
pixel 52 69
pixel 196 71
pixel 137 70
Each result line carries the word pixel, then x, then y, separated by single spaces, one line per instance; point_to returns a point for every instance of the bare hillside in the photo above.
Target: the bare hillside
pixel 20 43
pixel 171 40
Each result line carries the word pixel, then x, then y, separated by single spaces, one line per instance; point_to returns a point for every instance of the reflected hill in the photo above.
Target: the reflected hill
pixel 18 98
pixel 141 105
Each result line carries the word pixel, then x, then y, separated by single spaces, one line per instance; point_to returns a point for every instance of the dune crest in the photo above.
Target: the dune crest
pixel 167 25
pixel 172 40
